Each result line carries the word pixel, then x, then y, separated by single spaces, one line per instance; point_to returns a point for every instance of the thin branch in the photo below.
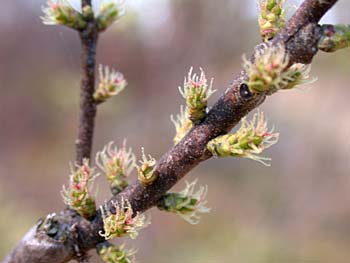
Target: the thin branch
pixel 85 3
pixel 88 37
pixel 301 36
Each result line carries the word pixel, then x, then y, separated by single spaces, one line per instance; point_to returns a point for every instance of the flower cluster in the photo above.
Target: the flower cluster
pixel 111 83
pixel 61 12
pixel 271 18
pixel 187 203
pixel 270 72
pixel 196 91
pixel 334 37
pixel 114 254
pixel 78 196
pixel 182 124
pixel 249 141
pixel 146 174
pixel 71 13
pixel 122 223
pixel 117 164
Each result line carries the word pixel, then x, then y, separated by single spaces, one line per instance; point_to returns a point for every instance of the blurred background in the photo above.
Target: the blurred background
pixel 297 210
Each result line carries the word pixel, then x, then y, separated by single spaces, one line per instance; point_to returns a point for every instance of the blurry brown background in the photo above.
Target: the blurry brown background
pixel 296 211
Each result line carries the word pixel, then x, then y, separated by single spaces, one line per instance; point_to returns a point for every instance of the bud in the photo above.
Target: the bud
pixel 146 174
pixel 196 91
pixel 182 124
pixel 110 253
pixel 78 196
pixel 187 203
pixel 109 12
pixel 117 164
pixel 271 18
pixel 270 72
pixel 60 12
pixel 111 83
pixel 334 37
pixel 122 223
pixel 249 141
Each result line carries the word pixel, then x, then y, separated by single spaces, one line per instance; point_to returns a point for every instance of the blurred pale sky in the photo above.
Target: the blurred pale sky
pixel 153 17
pixel 156 12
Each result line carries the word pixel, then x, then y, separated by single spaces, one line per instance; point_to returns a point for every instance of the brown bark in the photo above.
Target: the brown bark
pixel 88 37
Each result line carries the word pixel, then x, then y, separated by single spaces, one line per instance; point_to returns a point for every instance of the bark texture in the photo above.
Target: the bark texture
pixel 88 39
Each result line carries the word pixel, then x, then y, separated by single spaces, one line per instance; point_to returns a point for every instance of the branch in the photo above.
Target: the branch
pixel 88 37
pixel 43 242
pixel 301 31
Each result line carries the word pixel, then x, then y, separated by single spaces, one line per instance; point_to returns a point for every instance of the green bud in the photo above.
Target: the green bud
pixel 248 142
pixel 187 204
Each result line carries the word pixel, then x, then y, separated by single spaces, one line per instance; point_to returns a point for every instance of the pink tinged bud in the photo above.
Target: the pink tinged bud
pixel 77 196
pixel 122 223
pixel 117 164
pixel 196 91
pixel 54 5
pixel 111 83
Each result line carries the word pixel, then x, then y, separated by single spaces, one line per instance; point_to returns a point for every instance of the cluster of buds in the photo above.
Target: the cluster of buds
pixel 109 12
pixel 111 83
pixel 146 174
pixel 117 164
pixel 122 223
pixel 196 91
pixel 71 13
pixel 61 12
pixel 182 124
pixel 270 72
pixel 271 18
pixel 249 141
pixel 334 37
pixel 77 196
pixel 115 254
pixel 187 203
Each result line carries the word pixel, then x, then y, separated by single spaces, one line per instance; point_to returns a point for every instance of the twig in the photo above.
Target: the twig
pixel 88 37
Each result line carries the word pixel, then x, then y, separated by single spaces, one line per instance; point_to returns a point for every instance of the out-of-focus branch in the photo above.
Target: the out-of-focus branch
pixel 300 36
pixel 334 37
pixel 88 37
pixel 86 2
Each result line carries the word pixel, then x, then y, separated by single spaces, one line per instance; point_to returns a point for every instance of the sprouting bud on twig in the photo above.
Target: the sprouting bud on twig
pixel 122 223
pixel 146 174
pixel 60 12
pixel 334 37
pixel 115 254
pixel 106 12
pixel 249 141
pixel 109 12
pixel 187 204
pixel 117 164
pixel 111 83
pixel 271 18
pixel 182 124
pixel 196 91
pixel 77 196
pixel 269 72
